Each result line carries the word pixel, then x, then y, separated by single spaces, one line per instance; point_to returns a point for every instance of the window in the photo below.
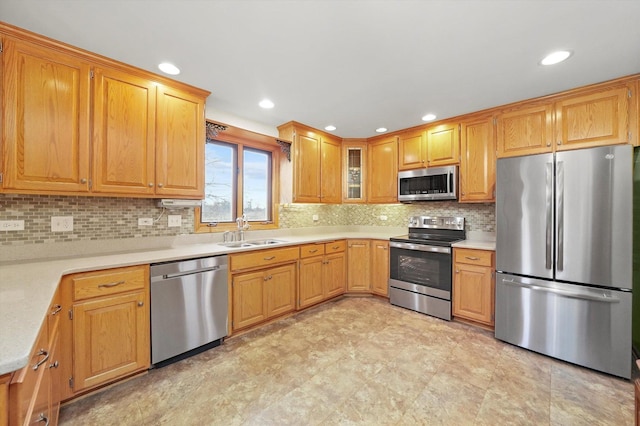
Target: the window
pixel 239 179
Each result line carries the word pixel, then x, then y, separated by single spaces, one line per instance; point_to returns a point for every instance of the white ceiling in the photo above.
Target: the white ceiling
pixel 358 65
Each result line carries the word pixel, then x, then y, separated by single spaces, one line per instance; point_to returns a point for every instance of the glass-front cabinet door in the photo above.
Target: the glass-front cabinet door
pixel 355 154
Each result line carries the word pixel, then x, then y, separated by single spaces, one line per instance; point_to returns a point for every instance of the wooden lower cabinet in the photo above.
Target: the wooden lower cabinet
pixel 474 286
pixel 260 295
pixel 380 267
pixel 34 392
pixel 106 329
pixel 322 276
pixel 359 272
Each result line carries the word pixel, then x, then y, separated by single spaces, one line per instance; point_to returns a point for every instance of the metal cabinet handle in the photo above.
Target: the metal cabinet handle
pixel 335 247
pixel 150 184
pixel 83 180
pixel 160 185
pixel 54 365
pixel 560 214
pixel 313 251
pixel 42 418
pixel 141 304
pixel 268 277
pixel 269 258
pixel 43 360
pixel 109 285
pixel 472 258
pixel 457 271
pixel 56 309
pixel 560 142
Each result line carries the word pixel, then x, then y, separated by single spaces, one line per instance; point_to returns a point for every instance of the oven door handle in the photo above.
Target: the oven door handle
pixel 420 247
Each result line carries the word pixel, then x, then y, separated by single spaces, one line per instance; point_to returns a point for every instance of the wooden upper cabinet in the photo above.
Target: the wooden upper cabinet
pixel 354 173
pixel 383 170
pixel 45 131
pixel 443 145
pixel 525 131
pixel 477 162
pixel 306 183
pixel 412 150
pixel 317 164
pixel 595 119
pixel 124 108
pixel 330 170
pixel 180 140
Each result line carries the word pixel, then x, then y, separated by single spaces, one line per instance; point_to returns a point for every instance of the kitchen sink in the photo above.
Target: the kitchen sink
pixel 254 243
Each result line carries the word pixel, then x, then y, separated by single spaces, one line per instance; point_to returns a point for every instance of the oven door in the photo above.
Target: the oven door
pixel 421 268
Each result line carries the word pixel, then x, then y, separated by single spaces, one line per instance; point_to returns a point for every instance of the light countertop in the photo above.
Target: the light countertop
pixel 28 286
pixel 478 240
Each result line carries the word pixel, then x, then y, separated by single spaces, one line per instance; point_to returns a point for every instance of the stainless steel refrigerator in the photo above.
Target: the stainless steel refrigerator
pixel 564 255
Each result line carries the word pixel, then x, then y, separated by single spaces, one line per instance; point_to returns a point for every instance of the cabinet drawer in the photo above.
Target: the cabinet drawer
pixel 335 246
pixel 473 257
pixel 260 258
pixel 107 282
pixel 310 250
pixel 24 385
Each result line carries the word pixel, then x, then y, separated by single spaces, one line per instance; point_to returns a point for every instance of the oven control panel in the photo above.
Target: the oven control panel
pixel 433 222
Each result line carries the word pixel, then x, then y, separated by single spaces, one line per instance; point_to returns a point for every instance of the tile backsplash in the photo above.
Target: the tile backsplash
pixel 103 218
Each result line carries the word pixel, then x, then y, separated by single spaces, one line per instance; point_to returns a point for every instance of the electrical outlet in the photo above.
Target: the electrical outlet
pixel 383 217
pixel 145 221
pixel 174 220
pixel 61 223
pixel 315 218
pixel 11 225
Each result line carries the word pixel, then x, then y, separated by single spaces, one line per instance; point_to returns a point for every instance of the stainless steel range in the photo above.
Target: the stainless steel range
pixel 420 265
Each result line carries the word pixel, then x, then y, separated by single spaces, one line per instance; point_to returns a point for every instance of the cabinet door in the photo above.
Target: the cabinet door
pixel 383 171
pixel 412 151
pixel 525 131
pixel 380 267
pixel 478 162
pixel 306 182
pixel 280 290
pixel 180 139
pixel 248 299
pixel 334 274
pixel 310 289
pixel 45 131
pixel 358 272
pixel 354 173
pixel 473 293
pixel 595 119
pixel 443 145
pixel 110 338
pixel 331 171
pixel 124 109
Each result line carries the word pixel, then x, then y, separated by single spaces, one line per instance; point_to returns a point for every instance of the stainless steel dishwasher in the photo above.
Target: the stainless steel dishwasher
pixel 189 306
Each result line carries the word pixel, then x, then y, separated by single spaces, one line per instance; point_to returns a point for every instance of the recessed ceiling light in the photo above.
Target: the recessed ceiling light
pixel 266 104
pixel 381 129
pixel 555 57
pixel 330 128
pixel 429 117
pixel 168 68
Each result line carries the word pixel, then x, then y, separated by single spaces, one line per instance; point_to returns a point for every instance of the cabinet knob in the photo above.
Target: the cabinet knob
pixel 457 271
pixel 140 303
pixel 54 365
pixel 160 185
pixel 150 184
pixel 559 142
pixel 548 143
pixel 83 180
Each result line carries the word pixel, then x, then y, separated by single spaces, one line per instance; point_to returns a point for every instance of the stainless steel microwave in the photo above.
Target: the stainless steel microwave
pixel 430 184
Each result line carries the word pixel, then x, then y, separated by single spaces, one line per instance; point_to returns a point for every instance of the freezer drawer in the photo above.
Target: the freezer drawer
pixel 583 325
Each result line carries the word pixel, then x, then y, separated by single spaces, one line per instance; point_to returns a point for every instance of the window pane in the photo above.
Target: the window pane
pixel 256 177
pixel 219 184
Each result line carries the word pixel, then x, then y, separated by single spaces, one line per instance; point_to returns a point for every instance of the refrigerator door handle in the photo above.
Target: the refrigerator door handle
pixel 560 214
pixel 604 298
pixel 549 217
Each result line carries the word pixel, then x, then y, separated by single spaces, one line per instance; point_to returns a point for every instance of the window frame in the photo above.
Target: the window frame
pixel 242 138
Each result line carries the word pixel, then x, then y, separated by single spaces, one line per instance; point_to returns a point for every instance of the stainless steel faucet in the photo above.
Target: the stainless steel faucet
pixel 243 224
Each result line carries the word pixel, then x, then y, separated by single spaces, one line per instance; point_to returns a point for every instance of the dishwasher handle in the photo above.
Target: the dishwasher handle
pixel 190 272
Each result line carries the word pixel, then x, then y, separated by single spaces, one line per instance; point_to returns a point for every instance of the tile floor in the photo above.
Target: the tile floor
pixel 362 361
